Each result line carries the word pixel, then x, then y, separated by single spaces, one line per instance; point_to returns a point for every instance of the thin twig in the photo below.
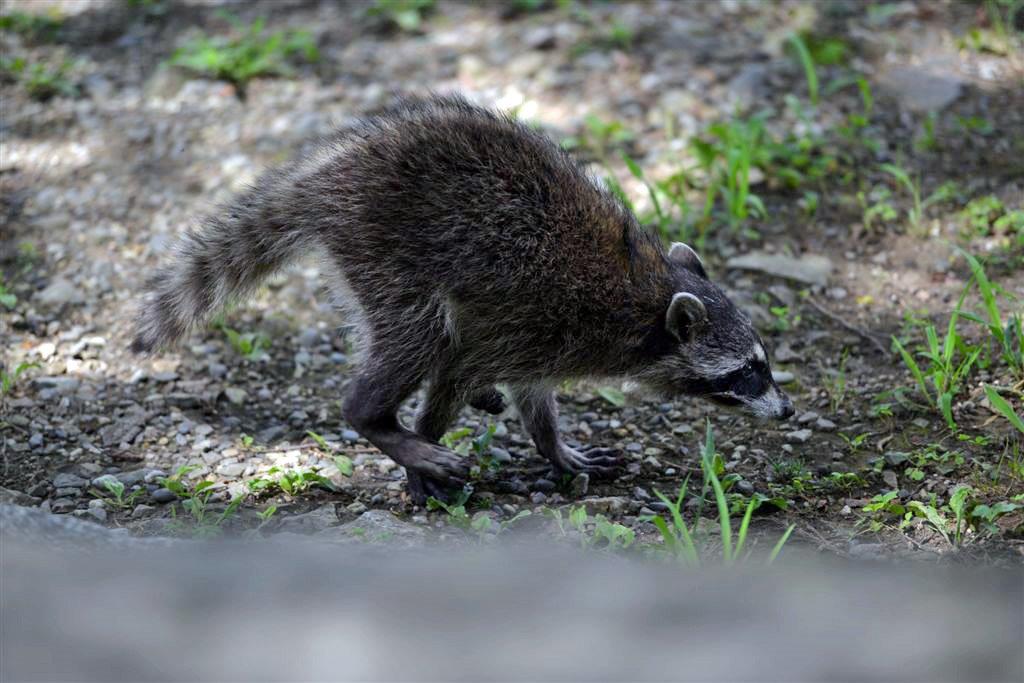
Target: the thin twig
pixel 849 326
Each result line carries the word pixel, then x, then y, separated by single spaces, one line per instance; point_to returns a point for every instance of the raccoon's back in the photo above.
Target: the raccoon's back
pixel 450 190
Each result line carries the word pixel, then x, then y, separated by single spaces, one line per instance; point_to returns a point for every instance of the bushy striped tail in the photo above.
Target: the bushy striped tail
pixel 225 259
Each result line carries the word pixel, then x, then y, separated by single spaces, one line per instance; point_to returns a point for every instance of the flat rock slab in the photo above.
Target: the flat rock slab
pixel 920 89
pixel 810 269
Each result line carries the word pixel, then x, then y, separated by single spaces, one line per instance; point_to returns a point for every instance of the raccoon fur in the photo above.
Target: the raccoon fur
pixel 472 251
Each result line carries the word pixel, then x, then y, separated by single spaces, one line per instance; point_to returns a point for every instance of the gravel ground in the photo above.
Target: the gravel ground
pixel 98 185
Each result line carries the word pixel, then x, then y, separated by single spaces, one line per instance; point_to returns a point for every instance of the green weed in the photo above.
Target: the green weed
pixel 8 379
pixel 596 532
pixel 599 137
pixel 807 61
pixel 250 345
pixel 949 363
pixel 727 159
pixel 33 27
pixel 251 52
pixel 342 462
pixel 1003 407
pixel 614 396
pixel 41 81
pixel 405 15
pixel 679 538
pixel 195 500
pixel 8 299
pixel 834 382
pixel 115 496
pixel 1007 334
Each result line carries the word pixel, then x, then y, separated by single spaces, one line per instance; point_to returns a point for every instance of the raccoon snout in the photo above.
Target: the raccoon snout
pixel 786 410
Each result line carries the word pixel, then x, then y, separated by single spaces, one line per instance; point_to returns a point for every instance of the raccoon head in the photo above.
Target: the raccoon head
pixel 709 348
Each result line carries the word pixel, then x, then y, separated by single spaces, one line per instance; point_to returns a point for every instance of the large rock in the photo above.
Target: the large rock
pixel 811 269
pixel 378 526
pixel 919 89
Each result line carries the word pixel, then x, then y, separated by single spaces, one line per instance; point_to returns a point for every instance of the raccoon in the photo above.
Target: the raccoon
pixel 472 251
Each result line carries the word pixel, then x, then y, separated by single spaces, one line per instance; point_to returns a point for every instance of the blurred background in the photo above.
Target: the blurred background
pixel 852 173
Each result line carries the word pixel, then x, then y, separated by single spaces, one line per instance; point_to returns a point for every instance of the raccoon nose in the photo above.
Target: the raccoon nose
pixel 787 410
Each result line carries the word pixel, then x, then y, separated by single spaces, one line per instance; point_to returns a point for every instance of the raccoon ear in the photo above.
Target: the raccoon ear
pixel 685 317
pixel 686 256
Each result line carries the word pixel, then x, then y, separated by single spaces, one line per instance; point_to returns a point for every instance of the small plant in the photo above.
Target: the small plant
pixel 1008 334
pixel 251 345
pixel 807 61
pixel 41 80
pixel 8 379
pixel 834 382
pixel 949 363
pixel 456 510
pixel 33 27
pixel 596 532
pixel 405 15
pixel 342 462
pixel 599 137
pixel 928 141
pixel 195 499
pixel 875 207
pixel 1003 407
pixel 463 442
pixel 115 497
pixel 7 299
pixel 727 160
pixel 679 538
pixel 290 482
pixel 251 52
pixel 614 396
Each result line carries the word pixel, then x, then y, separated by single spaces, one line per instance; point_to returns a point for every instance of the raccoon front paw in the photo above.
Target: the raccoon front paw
pixel 596 460
pixel 490 401
pixel 435 472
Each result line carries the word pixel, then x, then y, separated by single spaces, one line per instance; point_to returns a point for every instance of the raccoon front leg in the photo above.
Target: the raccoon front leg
pixel 539 413
pixel 371 407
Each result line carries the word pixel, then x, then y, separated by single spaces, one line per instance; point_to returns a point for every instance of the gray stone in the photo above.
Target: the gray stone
pixel 98 513
pixel 12 497
pixel 36 440
pixel 236 396
pixel 544 485
pixel 231 469
pixel 162 495
pixel 103 480
pixel 799 436
pixel 812 269
pixel 783 376
pixel 68 480
pixel 825 425
pixel 62 506
pixel 607 504
pixel 60 292
pixel 920 89
pixel 133 477
pixel 310 522
pixel 141 510
pixel 500 455
pixel 377 526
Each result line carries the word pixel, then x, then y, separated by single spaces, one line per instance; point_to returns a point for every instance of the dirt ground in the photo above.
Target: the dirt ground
pixel 97 181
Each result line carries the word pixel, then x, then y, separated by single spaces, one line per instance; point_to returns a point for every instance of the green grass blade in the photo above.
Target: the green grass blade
pixel 808 64
pixel 741 535
pixel 1003 407
pixel 781 542
pixel 911 364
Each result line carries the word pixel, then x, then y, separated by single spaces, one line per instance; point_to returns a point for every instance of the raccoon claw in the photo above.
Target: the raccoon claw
pixel 596 460
pixel 435 474
pixel 421 487
pixel 490 401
